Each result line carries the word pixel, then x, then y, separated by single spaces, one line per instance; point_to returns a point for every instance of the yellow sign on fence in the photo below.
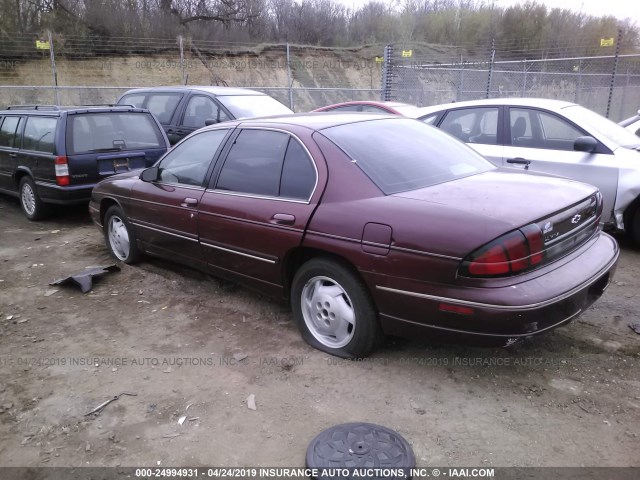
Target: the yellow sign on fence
pixel 407 53
pixel 42 45
pixel 606 42
pixel 379 59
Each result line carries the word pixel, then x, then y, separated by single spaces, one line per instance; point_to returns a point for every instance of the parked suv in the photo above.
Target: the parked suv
pixel 182 110
pixel 55 155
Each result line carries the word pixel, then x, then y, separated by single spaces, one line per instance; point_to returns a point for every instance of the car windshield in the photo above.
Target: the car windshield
pixel 249 106
pixel 400 154
pixel 112 131
pixel 604 126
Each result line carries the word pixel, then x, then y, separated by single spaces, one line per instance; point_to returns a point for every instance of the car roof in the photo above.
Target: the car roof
pixel 217 91
pixel 522 102
pixel 313 120
pixel 55 110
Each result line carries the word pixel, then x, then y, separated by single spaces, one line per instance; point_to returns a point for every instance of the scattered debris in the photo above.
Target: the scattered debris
pixel 635 327
pixel 85 279
pixel 99 408
pixel 182 419
pixel 87 447
pixel 55 231
pixel 152 408
pixel 251 402
pixel 50 292
pixel 170 435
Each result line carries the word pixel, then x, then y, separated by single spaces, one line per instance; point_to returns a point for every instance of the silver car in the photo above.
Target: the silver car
pixel 553 137
pixel 632 124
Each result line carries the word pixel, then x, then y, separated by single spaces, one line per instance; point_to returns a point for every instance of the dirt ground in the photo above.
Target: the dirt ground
pixel 189 345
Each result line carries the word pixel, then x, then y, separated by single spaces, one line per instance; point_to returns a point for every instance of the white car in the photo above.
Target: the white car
pixel 553 137
pixel 632 124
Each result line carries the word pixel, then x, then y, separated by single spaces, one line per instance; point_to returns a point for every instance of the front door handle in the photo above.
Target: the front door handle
pixel 283 219
pixel 189 202
pixel 13 154
pixel 520 161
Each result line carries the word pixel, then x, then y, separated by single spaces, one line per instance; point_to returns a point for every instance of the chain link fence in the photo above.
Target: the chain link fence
pixel 609 84
pixel 70 70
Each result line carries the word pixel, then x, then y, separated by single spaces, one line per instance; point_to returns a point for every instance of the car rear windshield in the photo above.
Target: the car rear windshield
pixel 112 131
pixel 402 154
pixel 248 106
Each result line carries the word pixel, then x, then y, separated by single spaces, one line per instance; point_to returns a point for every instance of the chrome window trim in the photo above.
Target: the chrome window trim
pixel 262 259
pixel 269 197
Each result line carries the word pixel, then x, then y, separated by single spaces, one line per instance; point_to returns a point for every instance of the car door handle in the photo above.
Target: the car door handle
pixel 189 202
pixel 283 219
pixel 13 154
pixel 520 161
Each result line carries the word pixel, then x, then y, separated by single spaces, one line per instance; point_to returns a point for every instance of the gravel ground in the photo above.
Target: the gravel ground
pixel 191 346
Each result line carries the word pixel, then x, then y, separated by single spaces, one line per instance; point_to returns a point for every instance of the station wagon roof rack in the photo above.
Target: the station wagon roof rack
pixel 33 107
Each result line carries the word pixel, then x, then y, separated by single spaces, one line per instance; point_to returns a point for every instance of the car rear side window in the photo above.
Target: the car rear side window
pixel 39 134
pixel 162 105
pixel 8 137
pixel 112 131
pixel 187 163
pixel 400 154
pixel 298 173
pixel 473 125
pixel 254 163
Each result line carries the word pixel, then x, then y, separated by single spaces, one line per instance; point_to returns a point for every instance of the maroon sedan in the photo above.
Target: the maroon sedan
pixel 371 106
pixel 370 224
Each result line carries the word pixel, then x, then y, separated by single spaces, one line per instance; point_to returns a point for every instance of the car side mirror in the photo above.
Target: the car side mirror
pixel 210 121
pixel 150 174
pixel 585 144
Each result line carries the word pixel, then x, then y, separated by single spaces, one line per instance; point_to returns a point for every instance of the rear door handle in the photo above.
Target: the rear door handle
pixel 520 161
pixel 189 202
pixel 283 219
pixel 13 154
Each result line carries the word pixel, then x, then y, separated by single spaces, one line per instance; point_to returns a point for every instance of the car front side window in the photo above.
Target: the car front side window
pixel 538 129
pixel 188 162
pixel 200 109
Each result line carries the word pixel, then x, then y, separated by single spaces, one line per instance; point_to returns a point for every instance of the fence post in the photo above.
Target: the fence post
pixel 613 74
pixel 579 86
pixel 460 81
pixel 180 44
pixel 493 56
pixel 524 80
pixel 289 82
pixel 385 87
pixel 54 71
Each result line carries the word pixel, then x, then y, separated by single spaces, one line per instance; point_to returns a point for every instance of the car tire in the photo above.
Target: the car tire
pixel 30 203
pixel 333 309
pixel 119 236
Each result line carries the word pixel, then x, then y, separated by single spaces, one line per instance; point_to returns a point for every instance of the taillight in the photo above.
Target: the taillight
pixel 509 254
pixel 62 171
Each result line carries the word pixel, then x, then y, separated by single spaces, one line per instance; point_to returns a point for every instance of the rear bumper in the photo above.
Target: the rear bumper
pixel 508 312
pixel 64 195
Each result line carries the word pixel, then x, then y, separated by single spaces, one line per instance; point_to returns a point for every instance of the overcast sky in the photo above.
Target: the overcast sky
pixel 618 8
